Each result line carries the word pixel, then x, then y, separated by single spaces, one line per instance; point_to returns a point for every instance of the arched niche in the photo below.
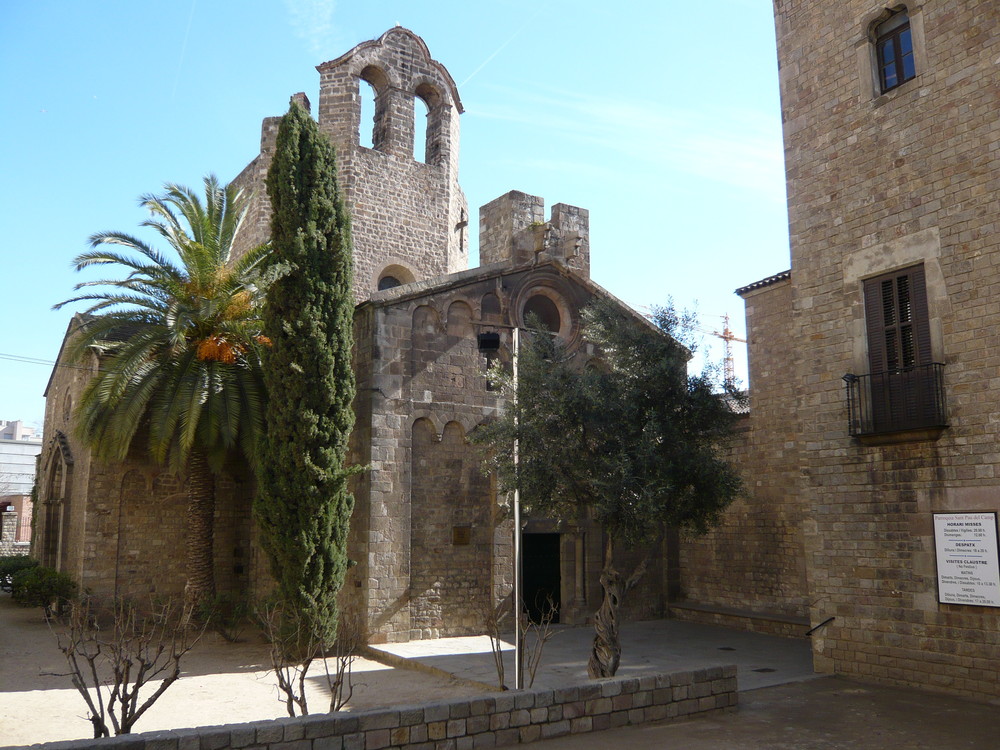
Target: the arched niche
pixel 460 320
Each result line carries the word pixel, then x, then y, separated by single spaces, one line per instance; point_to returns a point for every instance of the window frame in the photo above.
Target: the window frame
pixel 893 39
pixel 869 76
pixel 891 332
pixel 903 392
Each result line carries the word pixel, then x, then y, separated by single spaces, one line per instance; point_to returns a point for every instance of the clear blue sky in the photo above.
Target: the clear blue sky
pixel 660 117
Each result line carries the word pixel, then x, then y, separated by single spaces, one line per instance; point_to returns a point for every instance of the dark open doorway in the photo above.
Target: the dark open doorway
pixel 540 553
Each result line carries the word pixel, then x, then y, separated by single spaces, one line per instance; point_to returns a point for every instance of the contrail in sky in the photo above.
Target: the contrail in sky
pixel 501 47
pixel 184 44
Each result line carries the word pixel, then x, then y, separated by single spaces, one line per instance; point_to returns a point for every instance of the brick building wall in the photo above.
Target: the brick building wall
pixel 879 182
pixel 431 542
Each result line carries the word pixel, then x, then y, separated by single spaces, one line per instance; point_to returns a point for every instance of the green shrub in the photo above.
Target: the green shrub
pixel 10 566
pixel 43 587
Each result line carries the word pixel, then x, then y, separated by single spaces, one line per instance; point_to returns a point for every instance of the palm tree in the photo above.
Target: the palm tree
pixel 179 345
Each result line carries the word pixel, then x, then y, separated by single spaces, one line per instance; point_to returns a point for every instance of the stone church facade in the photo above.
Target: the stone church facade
pixel 431 539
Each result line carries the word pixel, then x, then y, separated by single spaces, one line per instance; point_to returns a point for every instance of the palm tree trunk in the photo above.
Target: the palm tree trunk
pixel 200 532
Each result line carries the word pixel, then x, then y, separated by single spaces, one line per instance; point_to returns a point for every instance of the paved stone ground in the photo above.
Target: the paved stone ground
pixel 649 646
pixel 221 683
pixel 822 714
pixel 783 705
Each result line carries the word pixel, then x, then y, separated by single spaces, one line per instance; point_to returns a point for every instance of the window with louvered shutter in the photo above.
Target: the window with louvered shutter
pixel 905 392
pixel 896 315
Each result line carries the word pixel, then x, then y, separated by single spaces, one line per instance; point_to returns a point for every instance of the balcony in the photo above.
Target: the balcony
pixel 905 404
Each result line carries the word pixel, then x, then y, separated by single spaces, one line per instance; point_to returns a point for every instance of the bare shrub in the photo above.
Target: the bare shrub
pixel 494 618
pixel 351 636
pixel 541 632
pixel 118 654
pixel 294 648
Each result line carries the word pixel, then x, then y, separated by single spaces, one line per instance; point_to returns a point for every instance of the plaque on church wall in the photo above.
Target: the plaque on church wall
pixel 968 566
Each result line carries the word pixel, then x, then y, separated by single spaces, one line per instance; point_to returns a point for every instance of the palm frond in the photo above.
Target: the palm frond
pixel 157 259
pixel 149 325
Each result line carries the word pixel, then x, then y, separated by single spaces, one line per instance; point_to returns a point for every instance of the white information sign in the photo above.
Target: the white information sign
pixel 968 566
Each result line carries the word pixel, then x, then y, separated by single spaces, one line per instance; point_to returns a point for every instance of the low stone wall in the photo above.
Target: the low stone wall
pixel 488 721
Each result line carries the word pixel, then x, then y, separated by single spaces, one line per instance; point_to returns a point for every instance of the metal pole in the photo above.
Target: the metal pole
pixel 518 569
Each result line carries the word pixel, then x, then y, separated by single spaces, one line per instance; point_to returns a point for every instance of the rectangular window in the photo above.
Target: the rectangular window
pixel 897 320
pixel 894 51
pixel 904 388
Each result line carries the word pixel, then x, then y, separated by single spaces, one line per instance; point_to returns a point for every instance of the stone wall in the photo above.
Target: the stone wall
pixel 498 720
pixel 136 523
pixel 876 183
pixel 451 535
pixel 410 217
pixel 64 468
pixel 8 534
pixel 432 539
pixel 512 229
pixel 119 529
pixel 750 571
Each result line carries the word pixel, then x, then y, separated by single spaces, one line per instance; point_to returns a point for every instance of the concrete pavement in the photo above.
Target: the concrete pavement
pixel 648 646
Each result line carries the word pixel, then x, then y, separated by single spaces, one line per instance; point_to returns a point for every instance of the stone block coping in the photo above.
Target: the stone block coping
pixel 488 721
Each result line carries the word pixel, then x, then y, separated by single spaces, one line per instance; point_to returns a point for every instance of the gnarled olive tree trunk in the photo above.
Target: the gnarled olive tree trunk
pixel 606 652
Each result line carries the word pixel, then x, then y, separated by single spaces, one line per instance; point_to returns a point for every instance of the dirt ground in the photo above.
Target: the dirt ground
pixel 222 683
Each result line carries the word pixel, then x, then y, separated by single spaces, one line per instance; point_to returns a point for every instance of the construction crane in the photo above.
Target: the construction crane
pixel 727 336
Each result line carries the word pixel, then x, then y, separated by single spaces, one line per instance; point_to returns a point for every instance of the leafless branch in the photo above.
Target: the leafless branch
pixel 112 665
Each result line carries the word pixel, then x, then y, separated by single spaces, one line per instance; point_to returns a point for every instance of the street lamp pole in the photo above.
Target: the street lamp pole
pixel 488 342
pixel 518 566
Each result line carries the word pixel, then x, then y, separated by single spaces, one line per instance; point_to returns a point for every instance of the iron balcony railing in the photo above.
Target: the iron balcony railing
pixel 911 398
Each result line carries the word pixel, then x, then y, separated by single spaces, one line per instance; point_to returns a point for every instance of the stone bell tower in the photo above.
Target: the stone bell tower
pixel 410 217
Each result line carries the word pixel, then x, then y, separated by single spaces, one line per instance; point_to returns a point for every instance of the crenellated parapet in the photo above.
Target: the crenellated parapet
pixel 513 229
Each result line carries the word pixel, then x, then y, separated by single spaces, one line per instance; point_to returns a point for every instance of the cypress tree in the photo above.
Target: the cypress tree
pixel 303 504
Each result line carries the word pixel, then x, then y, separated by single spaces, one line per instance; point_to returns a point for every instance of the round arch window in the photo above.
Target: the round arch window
pixel 392 275
pixel 546 310
pixel 388 282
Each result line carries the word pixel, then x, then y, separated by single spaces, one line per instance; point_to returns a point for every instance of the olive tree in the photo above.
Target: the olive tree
pixel 630 440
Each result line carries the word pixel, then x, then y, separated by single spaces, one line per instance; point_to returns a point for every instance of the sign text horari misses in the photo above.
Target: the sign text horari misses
pixel 968 566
